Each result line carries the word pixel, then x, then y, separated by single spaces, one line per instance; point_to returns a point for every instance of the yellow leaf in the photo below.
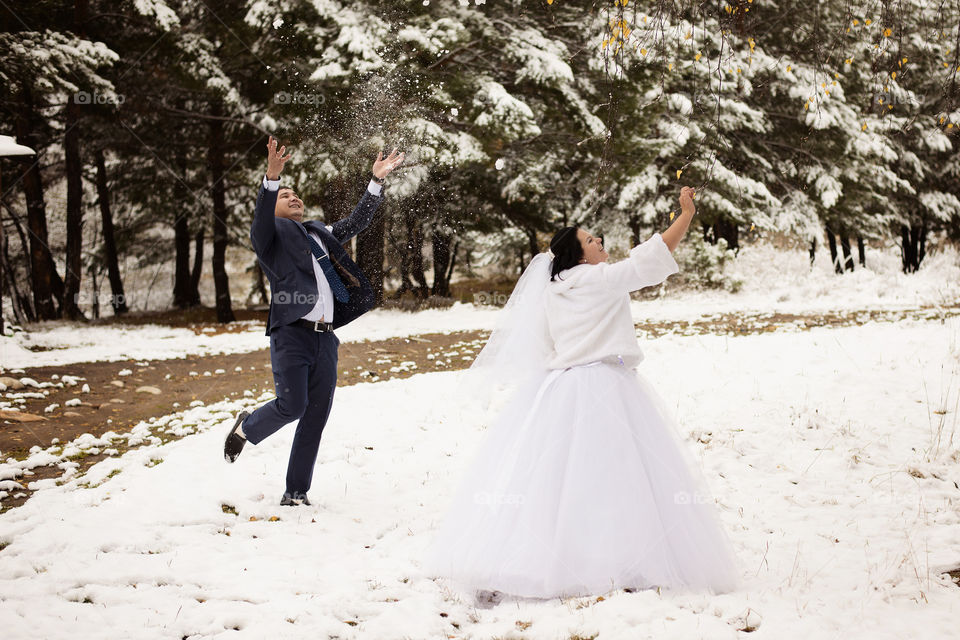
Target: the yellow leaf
pixel 679 171
pixel 697 57
pixel 867 21
pixel 904 61
pixel 752 227
pixel 253 518
pixel 738 69
pixel 950 126
pixel 672 214
pixel 806 106
pixel 864 127
pixel 887 32
pixel 856 22
pixel 848 61
pixel 670 67
pixel 689 34
pixel 893 74
pixel 788 68
pixel 889 106
pixel 549 1
pixel 276 518
pixel 643 52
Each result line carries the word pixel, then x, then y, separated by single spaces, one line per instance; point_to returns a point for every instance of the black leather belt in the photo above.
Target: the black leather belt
pixel 313 325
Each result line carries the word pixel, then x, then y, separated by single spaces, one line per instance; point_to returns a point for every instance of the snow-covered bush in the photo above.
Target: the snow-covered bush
pixel 702 265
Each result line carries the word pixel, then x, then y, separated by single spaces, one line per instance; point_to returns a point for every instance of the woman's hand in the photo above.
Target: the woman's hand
pixel 275 159
pixel 686 200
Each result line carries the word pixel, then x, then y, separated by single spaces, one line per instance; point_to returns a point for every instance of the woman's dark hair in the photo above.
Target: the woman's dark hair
pixel 567 250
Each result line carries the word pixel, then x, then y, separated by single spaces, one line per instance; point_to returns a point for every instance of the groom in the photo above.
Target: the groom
pixel 314 289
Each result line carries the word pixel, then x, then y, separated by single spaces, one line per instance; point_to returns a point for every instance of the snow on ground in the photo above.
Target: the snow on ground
pixel 774 281
pixel 67 343
pixel 835 471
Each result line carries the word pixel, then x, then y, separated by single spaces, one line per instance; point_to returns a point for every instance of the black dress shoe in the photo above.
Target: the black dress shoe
pixel 294 499
pixel 233 445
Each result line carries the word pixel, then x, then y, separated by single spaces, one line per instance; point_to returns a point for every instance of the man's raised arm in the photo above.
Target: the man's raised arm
pixel 362 215
pixel 263 228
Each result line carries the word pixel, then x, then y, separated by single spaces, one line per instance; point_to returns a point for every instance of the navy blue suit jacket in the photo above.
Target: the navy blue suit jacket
pixel 284 252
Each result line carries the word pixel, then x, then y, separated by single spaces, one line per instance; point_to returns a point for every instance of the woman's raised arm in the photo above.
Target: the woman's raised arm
pixel 675 232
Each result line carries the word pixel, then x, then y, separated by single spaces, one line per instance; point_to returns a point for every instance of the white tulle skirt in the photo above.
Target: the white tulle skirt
pixel 582 486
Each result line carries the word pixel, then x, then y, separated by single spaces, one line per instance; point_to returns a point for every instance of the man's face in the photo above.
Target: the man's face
pixel 289 205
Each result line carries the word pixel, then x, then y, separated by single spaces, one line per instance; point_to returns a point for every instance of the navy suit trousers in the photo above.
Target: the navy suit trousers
pixel 305 376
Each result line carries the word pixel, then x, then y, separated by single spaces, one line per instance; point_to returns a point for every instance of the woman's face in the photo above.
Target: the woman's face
pixel 593 251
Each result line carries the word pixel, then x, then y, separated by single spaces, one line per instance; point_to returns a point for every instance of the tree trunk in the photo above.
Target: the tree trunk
pixel 532 239
pixel 729 231
pixel 19 303
pixel 813 250
pixel 181 236
pixel 921 243
pixel 834 258
pixel 913 244
pixel 335 200
pixel 634 224
pixel 198 239
pixel 441 260
pixel 400 253
pixel 215 163
pixel 415 251
pixel 370 252
pixel 74 174
pixel 861 251
pixel 117 299
pixel 453 261
pixel 847 255
pixel 45 279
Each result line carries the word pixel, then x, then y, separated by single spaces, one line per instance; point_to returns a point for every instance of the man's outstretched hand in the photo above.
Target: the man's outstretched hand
pixel 275 159
pixel 382 166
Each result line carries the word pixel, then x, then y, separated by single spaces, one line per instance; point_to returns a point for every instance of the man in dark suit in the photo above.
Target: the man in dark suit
pixel 314 288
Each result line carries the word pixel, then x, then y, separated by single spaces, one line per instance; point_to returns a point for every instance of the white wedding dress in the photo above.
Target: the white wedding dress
pixel 582 485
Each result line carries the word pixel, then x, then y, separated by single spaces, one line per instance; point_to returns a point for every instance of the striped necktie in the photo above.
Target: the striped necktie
pixel 336 284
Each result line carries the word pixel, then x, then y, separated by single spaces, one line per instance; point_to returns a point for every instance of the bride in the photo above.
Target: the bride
pixel 582 485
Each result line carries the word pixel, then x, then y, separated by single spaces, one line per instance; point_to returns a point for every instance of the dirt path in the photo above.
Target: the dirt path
pixel 118 399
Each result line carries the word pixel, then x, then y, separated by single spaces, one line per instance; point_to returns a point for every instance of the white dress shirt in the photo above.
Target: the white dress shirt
pixel 323 309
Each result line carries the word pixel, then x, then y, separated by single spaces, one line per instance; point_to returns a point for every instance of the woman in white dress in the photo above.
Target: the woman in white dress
pixel 582 485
